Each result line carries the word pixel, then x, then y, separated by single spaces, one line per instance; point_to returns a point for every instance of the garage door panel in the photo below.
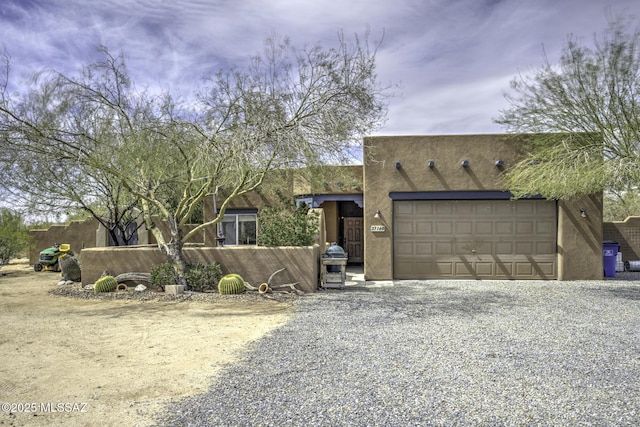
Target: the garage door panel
pixel 480 208
pixel 525 208
pixel 546 269
pixel 545 248
pixel 444 269
pixel 524 227
pixel 464 227
pixel 545 227
pixel 423 209
pixel 463 209
pixel 504 270
pixel 484 227
pixel 475 239
pixel 424 248
pixel 524 247
pixel 423 227
pixel 524 269
pixel 464 270
pixel 483 248
pixel 504 227
pixel 545 209
pixel 405 248
pixel 504 209
pixel 404 209
pixel 443 209
pixel 463 246
pixel 484 268
pixel 504 248
pixel 443 227
pixel 404 228
pixel 444 248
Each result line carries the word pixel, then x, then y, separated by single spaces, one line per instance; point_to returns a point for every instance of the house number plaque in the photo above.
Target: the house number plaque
pixel 377 228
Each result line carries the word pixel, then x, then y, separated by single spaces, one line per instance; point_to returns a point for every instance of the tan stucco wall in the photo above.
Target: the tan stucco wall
pixel 254 264
pixel 79 234
pixel 331 215
pixel 578 241
pixel 328 180
pixel 627 233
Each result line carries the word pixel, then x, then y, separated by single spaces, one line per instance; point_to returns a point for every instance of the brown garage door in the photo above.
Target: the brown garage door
pixel 479 239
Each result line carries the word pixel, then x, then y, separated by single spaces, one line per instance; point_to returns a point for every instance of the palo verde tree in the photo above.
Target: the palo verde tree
pixel 45 187
pixel 288 108
pixel 45 184
pixel 583 114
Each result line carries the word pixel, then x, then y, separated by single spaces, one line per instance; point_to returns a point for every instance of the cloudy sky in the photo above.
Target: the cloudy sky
pixel 453 59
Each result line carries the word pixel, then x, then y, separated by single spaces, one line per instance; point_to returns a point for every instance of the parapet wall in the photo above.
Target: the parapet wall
pixel 254 263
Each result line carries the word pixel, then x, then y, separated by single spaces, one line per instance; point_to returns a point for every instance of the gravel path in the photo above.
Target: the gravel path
pixel 439 353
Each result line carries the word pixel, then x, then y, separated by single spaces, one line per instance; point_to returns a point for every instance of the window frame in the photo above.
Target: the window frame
pixel 237 214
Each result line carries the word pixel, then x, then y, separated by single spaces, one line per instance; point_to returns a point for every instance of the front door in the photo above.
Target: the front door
pixel 353 233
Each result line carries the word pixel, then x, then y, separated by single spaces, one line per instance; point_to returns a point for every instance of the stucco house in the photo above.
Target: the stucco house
pixel 431 207
pixel 435 207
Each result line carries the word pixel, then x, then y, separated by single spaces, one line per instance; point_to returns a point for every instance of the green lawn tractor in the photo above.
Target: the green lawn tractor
pixel 49 257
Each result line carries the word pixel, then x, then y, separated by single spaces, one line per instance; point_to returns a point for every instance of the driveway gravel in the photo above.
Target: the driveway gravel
pixel 420 353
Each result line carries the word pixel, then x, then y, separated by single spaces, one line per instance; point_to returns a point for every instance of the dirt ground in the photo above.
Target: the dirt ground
pixel 87 362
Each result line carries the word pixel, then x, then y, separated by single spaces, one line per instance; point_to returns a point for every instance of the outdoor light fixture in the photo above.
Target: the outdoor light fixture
pixel 398 165
pixel 583 213
pixel 377 215
pixel 431 163
pixel 465 163
pixel 499 163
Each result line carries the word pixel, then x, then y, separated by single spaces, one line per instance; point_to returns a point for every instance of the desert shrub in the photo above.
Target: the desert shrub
pixel 162 275
pixel 203 277
pixel 14 235
pixel 200 277
pixel 287 226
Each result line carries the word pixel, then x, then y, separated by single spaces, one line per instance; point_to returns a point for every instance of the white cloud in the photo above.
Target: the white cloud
pixel 453 58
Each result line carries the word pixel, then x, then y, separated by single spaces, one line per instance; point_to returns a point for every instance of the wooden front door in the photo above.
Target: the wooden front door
pixel 353 238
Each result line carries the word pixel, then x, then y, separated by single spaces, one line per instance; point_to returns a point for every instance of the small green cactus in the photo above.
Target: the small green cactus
pixel 105 284
pixel 70 268
pixel 231 284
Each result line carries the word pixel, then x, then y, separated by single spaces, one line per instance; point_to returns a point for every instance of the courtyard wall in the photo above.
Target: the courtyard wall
pixel 254 263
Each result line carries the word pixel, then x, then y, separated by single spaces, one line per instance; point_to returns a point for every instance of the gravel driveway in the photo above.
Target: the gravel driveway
pixel 439 353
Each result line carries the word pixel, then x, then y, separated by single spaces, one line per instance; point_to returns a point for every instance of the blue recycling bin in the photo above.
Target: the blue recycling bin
pixel 609 254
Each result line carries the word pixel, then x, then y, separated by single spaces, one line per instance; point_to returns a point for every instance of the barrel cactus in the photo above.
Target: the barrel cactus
pixel 105 284
pixel 70 268
pixel 231 284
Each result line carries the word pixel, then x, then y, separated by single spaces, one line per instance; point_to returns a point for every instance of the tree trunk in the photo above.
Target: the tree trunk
pixel 172 249
pixel 174 252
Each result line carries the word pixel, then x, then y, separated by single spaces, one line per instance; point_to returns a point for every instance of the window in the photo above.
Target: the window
pixel 239 228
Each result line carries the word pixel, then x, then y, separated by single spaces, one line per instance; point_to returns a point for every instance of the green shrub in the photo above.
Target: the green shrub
pixel 162 275
pixel 14 235
pixel 287 226
pixel 202 277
